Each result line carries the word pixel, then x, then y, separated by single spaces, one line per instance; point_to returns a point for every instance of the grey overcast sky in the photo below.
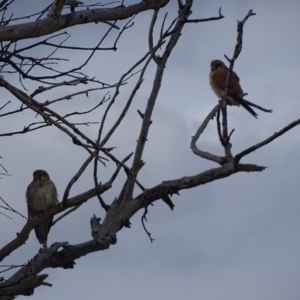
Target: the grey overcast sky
pixel 236 238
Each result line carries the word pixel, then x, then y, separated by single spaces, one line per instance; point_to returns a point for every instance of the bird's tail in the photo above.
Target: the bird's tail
pixel 242 102
pixel 258 107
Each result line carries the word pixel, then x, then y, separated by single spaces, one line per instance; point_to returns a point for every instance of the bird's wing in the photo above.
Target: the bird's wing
pixel 219 78
pixel 53 192
pixel 235 91
pixel 31 213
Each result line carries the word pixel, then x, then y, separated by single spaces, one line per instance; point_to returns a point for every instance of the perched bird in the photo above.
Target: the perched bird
pixel 41 195
pixel 217 79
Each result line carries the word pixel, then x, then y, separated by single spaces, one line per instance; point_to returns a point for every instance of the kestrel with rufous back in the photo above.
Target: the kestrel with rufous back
pixel 217 79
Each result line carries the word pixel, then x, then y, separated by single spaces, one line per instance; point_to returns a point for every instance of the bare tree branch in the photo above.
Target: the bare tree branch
pixel 268 140
pixel 119 210
pixel 50 25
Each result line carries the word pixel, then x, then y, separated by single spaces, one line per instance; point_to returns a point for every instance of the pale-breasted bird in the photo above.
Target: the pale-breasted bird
pixel 41 195
pixel 217 79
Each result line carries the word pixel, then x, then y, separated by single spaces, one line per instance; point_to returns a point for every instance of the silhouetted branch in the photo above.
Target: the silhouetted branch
pixel 8 207
pixel 268 140
pixel 207 19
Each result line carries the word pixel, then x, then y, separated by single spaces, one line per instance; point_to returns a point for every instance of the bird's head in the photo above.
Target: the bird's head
pixel 216 65
pixel 40 175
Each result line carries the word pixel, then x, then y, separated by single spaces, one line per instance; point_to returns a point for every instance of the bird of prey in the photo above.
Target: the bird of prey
pixel 41 195
pixel 217 79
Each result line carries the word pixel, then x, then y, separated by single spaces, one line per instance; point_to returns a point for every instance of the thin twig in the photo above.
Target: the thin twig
pixel 268 140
